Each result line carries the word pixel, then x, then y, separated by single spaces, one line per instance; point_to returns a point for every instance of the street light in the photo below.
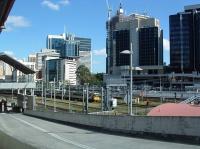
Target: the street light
pixel 131 74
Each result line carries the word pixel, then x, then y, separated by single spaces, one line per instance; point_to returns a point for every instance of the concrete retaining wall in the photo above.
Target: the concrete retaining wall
pixel 174 126
pixel 7 142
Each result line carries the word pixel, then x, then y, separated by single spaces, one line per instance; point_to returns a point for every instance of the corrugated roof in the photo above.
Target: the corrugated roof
pixel 16 64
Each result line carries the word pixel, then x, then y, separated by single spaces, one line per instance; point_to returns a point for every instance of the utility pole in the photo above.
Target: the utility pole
pixel 69 99
pixel 102 99
pixel 160 89
pixel 83 100
pixel 62 91
pixel 51 90
pixel 42 93
pixel 45 98
pixel 131 83
pixel 54 99
pixel 87 95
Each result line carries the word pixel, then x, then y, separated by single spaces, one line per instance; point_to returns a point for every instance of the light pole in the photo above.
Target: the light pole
pixel 131 74
pixel 69 106
pixel 54 99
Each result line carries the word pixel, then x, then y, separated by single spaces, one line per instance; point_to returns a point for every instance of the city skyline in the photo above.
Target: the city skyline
pixel 31 24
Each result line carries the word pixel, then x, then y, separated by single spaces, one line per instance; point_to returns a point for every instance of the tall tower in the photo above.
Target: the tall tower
pixel 185 40
pixel 136 29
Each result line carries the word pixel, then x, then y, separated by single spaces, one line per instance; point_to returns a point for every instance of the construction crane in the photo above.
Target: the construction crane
pixel 109 10
pixel 108 36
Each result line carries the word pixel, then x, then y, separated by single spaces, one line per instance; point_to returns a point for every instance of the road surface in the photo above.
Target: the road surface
pixel 44 134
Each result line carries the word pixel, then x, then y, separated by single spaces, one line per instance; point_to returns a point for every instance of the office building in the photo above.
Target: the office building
pixel 64 44
pixel 62 70
pixel 185 40
pixel 150 46
pixel 32 58
pixel 70 46
pixel 146 36
pixel 84 43
pixel 5 71
pixel 41 58
pixel 85 54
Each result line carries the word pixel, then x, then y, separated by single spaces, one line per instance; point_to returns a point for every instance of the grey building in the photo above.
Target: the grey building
pixel 64 44
pixel 144 33
pixel 85 52
pixel 84 43
pixel 185 40
pixel 70 46
pixel 40 61
pixel 62 70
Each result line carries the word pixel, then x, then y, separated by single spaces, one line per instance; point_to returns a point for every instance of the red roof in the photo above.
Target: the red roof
pixel 172 109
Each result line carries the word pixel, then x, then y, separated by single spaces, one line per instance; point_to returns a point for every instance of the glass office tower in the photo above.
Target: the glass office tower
pixel 64 44
pixel 151 46
pixel 184 40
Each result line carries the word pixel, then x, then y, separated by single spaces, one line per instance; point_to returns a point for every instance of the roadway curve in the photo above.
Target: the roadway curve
pixel 44 134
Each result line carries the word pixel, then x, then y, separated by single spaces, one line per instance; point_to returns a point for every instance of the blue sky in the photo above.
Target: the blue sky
pixel 30 21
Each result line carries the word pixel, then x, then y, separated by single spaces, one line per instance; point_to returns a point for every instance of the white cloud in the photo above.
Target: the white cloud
pixel 17 21
pixel 64 2
pixel 55 6
pixel 166 45
pixel 101 52
pixel 51 5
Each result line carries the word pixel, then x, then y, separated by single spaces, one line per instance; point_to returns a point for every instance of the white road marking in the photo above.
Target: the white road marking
pixel 53 134
pixel 69 141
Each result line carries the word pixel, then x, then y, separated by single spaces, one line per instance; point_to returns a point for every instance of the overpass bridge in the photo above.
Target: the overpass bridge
pixel 14 83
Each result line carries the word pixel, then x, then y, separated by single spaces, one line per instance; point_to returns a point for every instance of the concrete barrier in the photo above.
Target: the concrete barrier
pixel 8 142
pixel 183 127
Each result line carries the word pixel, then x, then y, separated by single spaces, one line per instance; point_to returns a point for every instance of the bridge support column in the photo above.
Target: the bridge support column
pixel 24 91
pixel 18 91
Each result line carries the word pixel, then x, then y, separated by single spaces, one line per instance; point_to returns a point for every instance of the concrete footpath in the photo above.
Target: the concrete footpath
pixel 184 129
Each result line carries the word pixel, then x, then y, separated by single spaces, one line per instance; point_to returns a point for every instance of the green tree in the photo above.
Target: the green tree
pixel 83 74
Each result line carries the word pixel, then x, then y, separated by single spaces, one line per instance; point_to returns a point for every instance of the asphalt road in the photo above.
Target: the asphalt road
pixel 48 135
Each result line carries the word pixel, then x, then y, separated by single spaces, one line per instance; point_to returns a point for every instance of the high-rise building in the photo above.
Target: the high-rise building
pixel 146 37
pixel 62 70
pixel 40 61
pixel 185 40
pixel 64 44
pixel 84 43
pixel 85 54
pixel 150 46
pixel 68 45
